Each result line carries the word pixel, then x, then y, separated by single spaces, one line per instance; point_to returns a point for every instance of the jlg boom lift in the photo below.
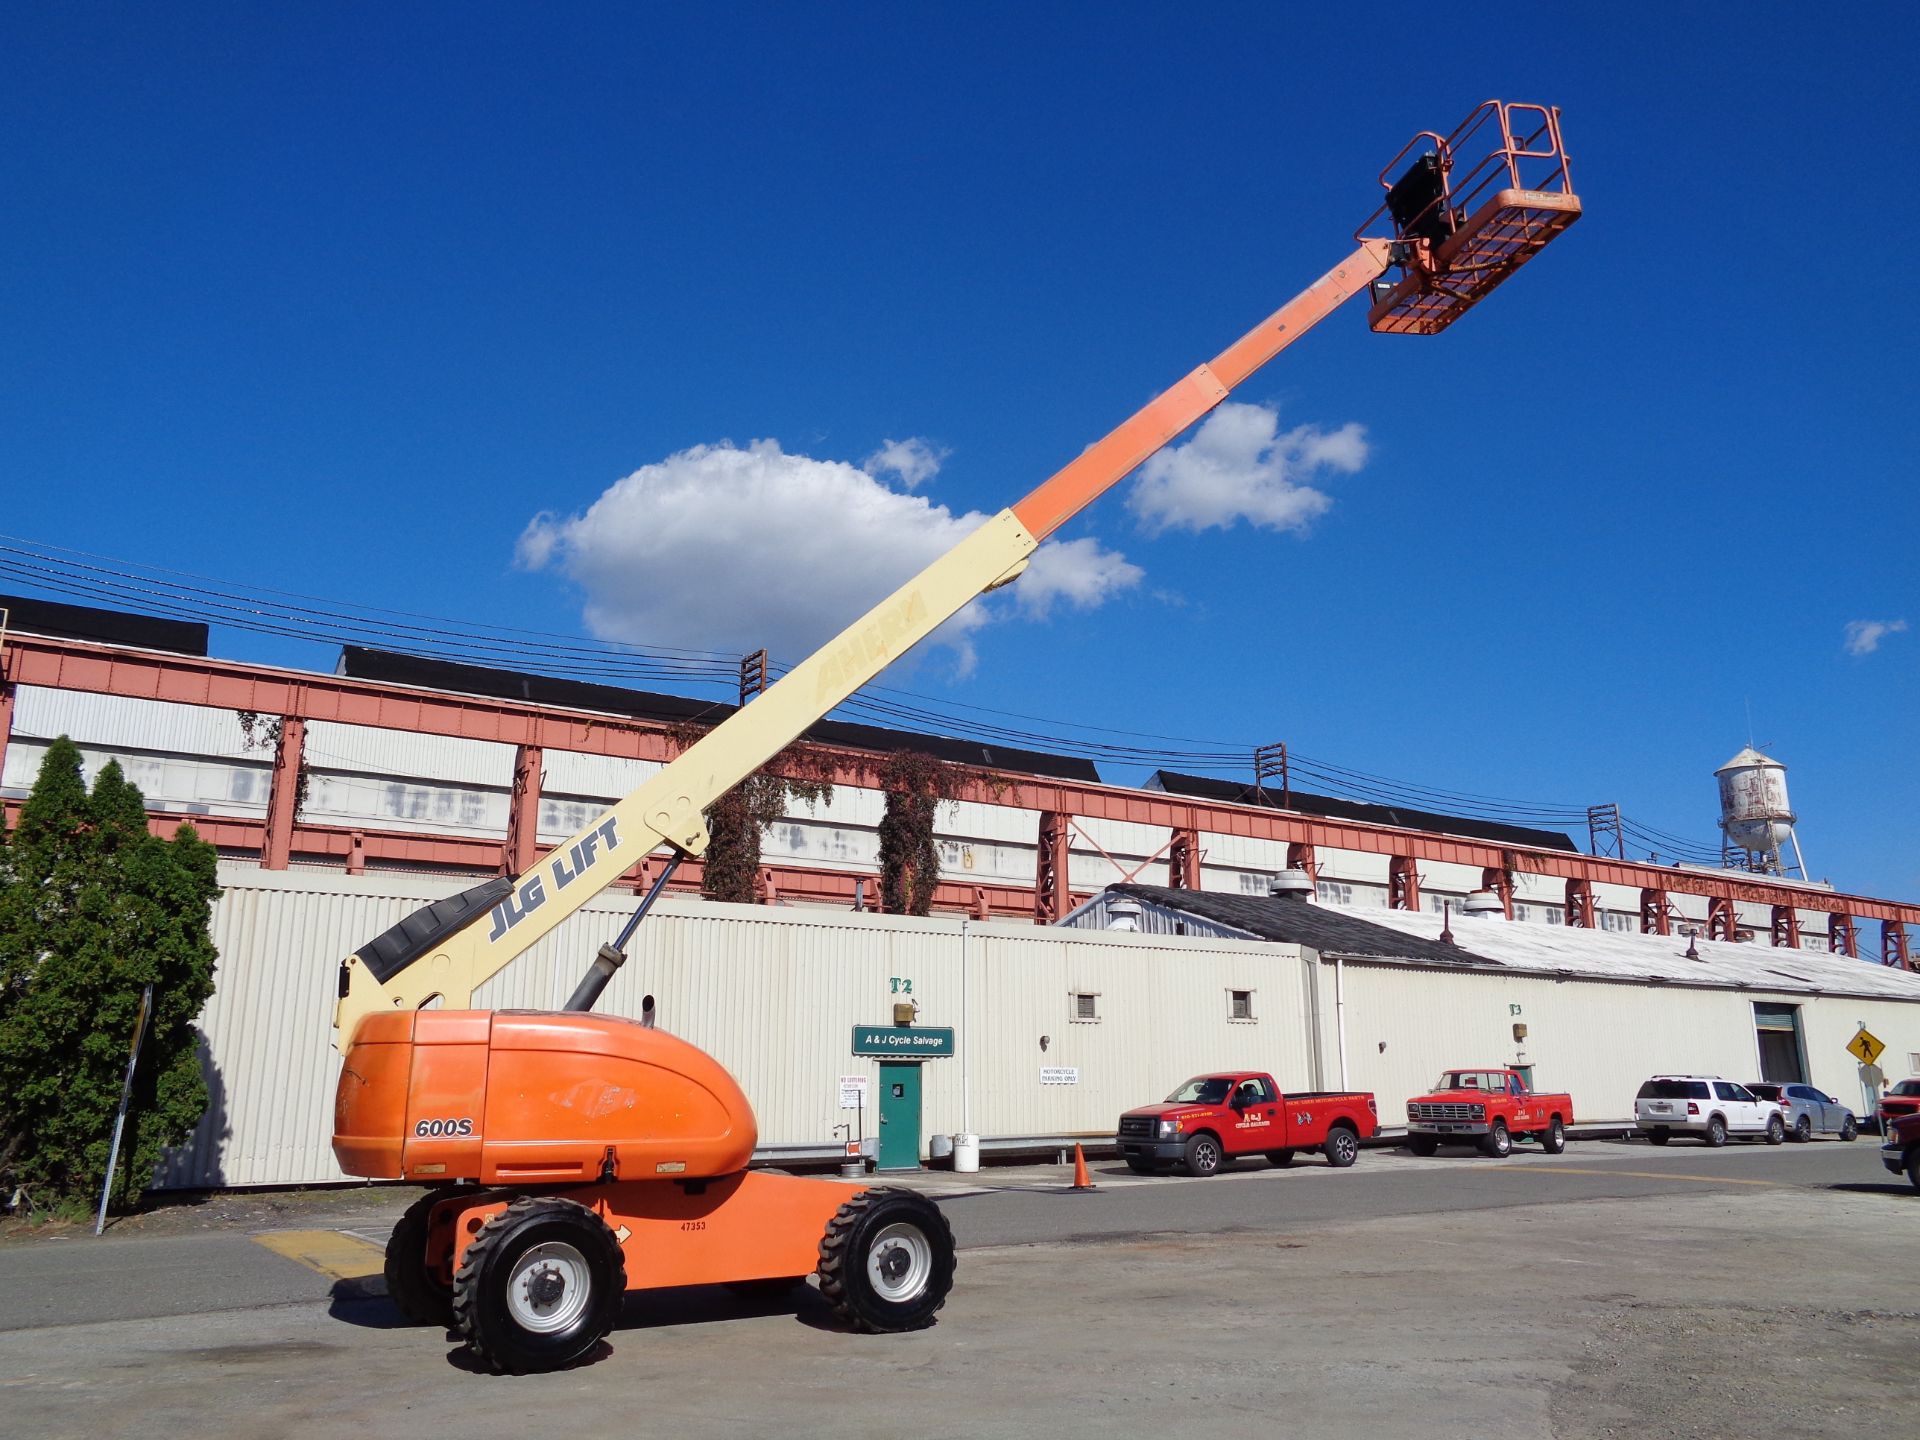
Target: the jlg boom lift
pixel 583 1156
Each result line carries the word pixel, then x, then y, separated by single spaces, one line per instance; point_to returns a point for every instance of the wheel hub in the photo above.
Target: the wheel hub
pixel 546 1286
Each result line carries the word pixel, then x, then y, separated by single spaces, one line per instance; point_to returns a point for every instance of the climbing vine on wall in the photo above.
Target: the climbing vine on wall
pixel 737 822
pixel 916 786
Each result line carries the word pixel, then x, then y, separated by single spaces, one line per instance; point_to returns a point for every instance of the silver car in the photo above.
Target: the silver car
pixel 1809 1112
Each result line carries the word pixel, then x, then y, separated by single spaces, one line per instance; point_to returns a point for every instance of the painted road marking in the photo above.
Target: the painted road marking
pixel 1598 1174
pixel 332 1253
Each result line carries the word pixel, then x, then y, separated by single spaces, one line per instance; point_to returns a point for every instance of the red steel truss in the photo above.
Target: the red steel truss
pixel 300 697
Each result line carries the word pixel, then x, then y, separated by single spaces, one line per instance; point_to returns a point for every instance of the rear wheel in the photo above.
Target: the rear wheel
pixel 540 1286
pixel 1279 1159
pixel 419 1281
pixel 1659 1137
pixel 1776 1130
pixel 1342 1147
pixel 886 1261
pixel 1849 1129
pixel 1203 1156
pixel 1498 1144
pixel 1423 1144
pixel 1803 1129
pixel 1716 1132
pixel 1553 1139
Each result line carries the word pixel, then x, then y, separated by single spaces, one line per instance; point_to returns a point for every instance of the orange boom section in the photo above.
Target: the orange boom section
pixel 524 1097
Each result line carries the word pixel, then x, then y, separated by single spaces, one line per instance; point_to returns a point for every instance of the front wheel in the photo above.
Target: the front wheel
pixel 1342 1147
pixel 1279 1159
pixel 1776 1130
pixel 886 1261
pixel 1554 1141
pixel 1498 1144
pixel 1139 1166
pixel 1423 1145
pixel 1203 1156
pixel 540 1286
pixel 1913 1168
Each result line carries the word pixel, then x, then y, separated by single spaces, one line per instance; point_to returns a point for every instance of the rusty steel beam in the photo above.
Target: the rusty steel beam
pixel 1183 860
pixel 1051 895
pixel 523 812
pixel 193 680
pixel 1840 937
pixel 1786 927
pixel 283 800
pixel 1301 856
pixel 1580 907
pixel 1403 884
pixel 1653 911
pixel 1722 924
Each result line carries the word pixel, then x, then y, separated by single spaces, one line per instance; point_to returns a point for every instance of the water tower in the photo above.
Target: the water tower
pixel 1754 813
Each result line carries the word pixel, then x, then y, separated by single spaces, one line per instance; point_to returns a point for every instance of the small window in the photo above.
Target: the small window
pixel 1913 1063
pixel 1086 1006
pixel 1240 1004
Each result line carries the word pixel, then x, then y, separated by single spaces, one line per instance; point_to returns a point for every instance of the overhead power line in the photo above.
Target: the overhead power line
pixel 182 595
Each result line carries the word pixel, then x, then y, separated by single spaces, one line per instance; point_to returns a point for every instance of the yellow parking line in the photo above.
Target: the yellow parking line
pixel 1587 1170
pixel 332 1253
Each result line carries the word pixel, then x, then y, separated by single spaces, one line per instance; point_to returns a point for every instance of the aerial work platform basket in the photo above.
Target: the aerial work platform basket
pixel 1471 208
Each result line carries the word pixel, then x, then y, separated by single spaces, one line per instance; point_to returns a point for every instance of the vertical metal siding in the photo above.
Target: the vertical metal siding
pixel 774 995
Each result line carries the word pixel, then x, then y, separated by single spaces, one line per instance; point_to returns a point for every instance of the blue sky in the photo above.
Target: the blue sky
pixel 341 300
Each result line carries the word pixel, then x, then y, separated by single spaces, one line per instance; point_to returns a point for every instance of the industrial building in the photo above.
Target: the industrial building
pixel 343 801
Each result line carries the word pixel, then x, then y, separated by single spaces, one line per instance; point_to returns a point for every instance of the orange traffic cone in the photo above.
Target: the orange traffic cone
pixel 1080 1180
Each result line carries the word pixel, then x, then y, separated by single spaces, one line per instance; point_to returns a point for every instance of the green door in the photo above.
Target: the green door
pixel 899 1116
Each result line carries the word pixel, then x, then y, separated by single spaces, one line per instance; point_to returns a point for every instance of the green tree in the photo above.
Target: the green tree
pixel 92 908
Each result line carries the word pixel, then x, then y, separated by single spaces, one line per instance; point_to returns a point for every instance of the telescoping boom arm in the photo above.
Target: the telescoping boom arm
pixel 1460 226
pixel 447 950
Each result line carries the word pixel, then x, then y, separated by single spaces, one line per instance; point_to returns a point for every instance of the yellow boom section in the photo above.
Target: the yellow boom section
pixel 668 809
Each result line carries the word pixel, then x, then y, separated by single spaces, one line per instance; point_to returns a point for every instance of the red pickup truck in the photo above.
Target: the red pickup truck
pixel 1487 1108
pixel 1213 1120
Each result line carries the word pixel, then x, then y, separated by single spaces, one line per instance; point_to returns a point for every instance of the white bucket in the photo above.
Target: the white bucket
pixel 966 1153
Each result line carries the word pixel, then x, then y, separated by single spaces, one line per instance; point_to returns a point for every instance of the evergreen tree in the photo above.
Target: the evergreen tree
pixel 92 908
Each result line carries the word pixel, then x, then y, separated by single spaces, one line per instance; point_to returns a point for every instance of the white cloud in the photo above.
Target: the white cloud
pixel 1240 465
pixel 728 548
pixel 1864 636
pixel 913 461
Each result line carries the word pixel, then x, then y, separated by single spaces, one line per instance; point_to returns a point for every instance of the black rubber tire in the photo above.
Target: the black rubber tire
pixel 1803 1129
pixel 1849 1129
pixel 1204 1156
pixel 1716 1135
pixel 1342 1147
pixel 1423 1145
pixel 1659 1137
pixel 1776 1130
pixel 1139 1166
pixel 848 1245
pixel 1553 1139
pixel 1498 1143
pixel 1279 1159
pixel 480 1307
pixel 1913 1168
pixel 419 1294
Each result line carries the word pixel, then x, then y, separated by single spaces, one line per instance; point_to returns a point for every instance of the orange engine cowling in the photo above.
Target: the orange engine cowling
pixel 522 1097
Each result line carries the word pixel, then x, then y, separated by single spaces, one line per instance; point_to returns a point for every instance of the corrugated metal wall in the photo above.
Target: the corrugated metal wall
pixel 1595 1040
pixel 773 993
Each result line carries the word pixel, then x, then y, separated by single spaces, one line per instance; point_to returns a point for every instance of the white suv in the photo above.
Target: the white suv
pixel 1707 1106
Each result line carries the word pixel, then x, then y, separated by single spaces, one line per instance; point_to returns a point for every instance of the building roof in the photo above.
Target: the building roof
pixel 1328 929
pixel 1206 787
pixel 1413 936
pixel 103 627
pixel 383 665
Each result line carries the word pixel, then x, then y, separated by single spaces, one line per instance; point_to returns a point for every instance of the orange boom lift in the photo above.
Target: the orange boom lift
pixel 581 1156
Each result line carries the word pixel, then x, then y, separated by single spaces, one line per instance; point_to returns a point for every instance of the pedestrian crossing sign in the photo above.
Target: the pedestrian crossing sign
pixel 1866 1045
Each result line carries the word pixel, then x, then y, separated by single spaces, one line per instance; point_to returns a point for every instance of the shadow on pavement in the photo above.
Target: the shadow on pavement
pixel 1877 1187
